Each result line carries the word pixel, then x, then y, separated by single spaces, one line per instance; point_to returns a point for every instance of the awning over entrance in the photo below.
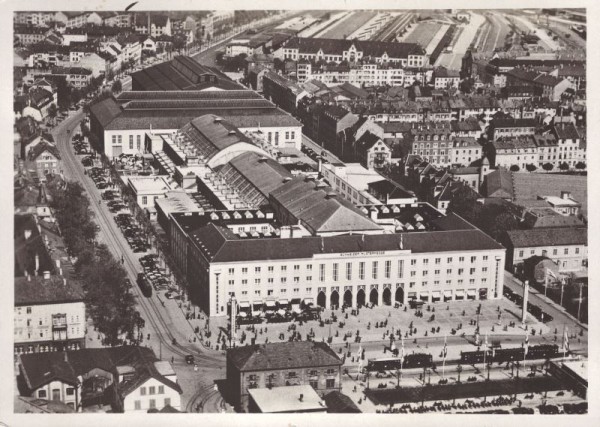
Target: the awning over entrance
pixel 436 294
pixel 244 304
pixel 459 293
pixel 283 302
pixel 270 304
pixel 257 303
pixel 242 314
pixel 447 293
pixel 308 301
pixel 471 292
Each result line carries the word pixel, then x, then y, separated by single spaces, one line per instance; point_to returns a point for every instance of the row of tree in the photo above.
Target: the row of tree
pixel 564 166
pixel 109 300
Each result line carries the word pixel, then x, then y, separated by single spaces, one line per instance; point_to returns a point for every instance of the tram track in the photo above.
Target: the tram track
pixel 113 238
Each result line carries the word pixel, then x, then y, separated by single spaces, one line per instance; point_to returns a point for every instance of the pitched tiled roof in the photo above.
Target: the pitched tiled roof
pixel 105 111
pixel 514 123
pixel 499 183
pixel 39 291
pixel 547 237
pixel 262 172
pixel 566 131
pixel 225 247
pixel 286 355
pixel 42 147
pixel 339 403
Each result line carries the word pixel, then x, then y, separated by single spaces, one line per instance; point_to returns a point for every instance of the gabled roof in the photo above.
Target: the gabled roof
pixel 42 147
pixel 339 403
pixel 547 237
pixel 105 111
pixel 262 172
pixel 367 141
pixel 286 355
pixel 320 209
pixel 499 183
pixel 565 131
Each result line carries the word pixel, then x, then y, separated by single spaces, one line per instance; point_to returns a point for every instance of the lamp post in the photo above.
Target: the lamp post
pixel 580 299
pixel 562 289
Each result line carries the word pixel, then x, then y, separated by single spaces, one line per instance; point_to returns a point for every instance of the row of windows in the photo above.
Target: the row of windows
pixel 152 390
pixel 151 403
pixel 349 266
pixel 554 252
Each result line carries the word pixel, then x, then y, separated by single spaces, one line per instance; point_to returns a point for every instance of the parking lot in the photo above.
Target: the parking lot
pixel 157 277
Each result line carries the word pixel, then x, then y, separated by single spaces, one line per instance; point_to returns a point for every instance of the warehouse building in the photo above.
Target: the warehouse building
pixel 121 124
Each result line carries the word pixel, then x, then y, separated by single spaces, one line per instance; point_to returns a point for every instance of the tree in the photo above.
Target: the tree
pixel 459 369
pixel 580 165
pixel 564 166
pixel 464 203
pixel 52 111
pixel 547 167
pixel 515 168
pixel 75 95
pixel 117 86
pixel 530 167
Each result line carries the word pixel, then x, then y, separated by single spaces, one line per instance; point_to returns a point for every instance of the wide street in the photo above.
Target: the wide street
pixel 162 325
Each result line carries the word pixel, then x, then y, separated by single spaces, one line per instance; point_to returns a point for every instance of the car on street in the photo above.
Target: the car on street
pixel 189 359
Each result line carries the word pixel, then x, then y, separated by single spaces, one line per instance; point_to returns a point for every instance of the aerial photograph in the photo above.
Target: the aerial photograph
pixel 300 211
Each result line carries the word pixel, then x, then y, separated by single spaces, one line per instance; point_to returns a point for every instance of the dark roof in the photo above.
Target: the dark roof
pixel 225 247
pixel 392 189
pixel 42 147
pixel 338 403
pixel 182 73
pixel 286 355
pixel 105 111
pixel 320 209
pixel 547 237
pixel 499 183
pixel 513 123
pixel 39 291
pixel 369 48
pixel 262 172
pixel 367 140
pixel 565 131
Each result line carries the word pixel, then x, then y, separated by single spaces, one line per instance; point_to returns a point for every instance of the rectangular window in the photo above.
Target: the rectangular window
pixel 151 390
pixel 425 272
pixel 374 269
pixel 244 281
pixel 309 267
pixel 167 401
pixel 449 260
pixel 400 269
pixel 471 271
pixel 244 270
pixel 131 142
pixel 388 269
pixel 283 268
pixel 270 269
pixel 296 267
pixel 425 261
pixel 256 270
pixel 361 270
pixel 284 280
pixel 577 251
pixel 322 272
pixel 330 382
pixel 270 280
pixel 438 261
pixel 28 310
pixel 566 251
pixel 257 281
pixel 152 403
pixel 137 405
pixel 231 271
pixel 231 282
pixel 554 252
pixel 348 271
pixel 461 259
pixel 143 391
pixel 437 272
pixel 413 262
pixel 521 254
pixel 460 271
pixel 473 259
pixel 335 271
pixel 144 200
pixel 161 389
pixel 70 391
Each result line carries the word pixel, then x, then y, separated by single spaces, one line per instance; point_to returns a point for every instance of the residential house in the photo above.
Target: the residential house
pixel 46 160
pixel 444 78
pixel 372 152
pixel 464 150
pixel 515 151
pixel 129 379
pixel 509 127
pixel 567 247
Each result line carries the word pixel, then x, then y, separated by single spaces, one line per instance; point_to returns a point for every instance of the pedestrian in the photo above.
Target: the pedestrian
pixel 172 359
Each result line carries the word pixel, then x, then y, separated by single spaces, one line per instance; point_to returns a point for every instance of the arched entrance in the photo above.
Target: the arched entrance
pixel 387 296
pixel 348 298
pixel 374 296
pixel 321 299
pixel 360 298
pixel 400 295
pixel 334 300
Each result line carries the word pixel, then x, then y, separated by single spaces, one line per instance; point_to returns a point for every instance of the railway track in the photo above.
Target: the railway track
pixel 389 32
pixel 113 238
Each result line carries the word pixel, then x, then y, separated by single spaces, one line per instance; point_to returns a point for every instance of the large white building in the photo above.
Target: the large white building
pixel 319 248
pixel 122 124
pixel 334 50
